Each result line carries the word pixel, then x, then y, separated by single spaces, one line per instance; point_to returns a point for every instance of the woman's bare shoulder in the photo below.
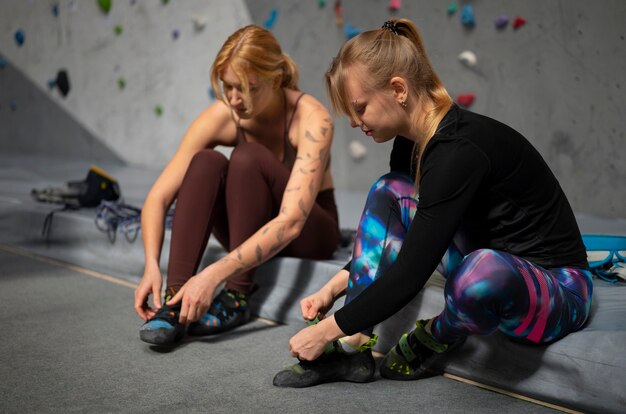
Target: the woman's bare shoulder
pixel 307 105
pixel 215 123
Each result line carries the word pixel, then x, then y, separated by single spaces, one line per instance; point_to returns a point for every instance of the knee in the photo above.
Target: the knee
pixel 207 162
pixel 246 155
pixel 480 275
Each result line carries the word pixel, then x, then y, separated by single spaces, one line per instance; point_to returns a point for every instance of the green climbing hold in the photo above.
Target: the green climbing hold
pixel 121 83
pixel 158 110
pixel 118 30
pixel 105 5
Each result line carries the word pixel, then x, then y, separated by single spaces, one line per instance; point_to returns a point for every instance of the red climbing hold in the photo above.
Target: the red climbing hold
pixel 465 99
pixel 394 5
pixel 518 22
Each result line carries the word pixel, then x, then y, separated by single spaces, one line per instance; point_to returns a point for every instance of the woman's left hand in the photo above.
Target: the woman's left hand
pixel 196 296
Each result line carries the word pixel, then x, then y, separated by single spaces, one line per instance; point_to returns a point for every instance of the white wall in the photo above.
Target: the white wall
pixel 158 69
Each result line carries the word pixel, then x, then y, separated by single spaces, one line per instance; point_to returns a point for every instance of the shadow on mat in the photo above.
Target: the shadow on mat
pixel 236 333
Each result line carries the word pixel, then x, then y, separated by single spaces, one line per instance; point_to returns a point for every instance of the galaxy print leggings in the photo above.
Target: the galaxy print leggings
pixel 486 290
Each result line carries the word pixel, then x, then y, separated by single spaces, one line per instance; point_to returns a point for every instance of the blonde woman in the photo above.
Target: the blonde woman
pixel 490 216
pixel 274 196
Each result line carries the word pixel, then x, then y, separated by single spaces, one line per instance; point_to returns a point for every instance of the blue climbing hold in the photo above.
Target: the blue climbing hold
pixel 3 63
pixel 467 16
pixel 351 31
pixel 271 20
pixel 55 9
pixel 20 37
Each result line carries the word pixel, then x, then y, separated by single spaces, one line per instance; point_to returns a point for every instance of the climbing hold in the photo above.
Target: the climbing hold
pixel 199 23
pixel 164 2
pixel 271 20
pixel 158 110
pixel 13 105
pixel 211 94
pixel 121 83
pixel 468 58
pixel 467 16
pixel 501 22
pixel 53 83
pixel 322 3
pixel 518 22
pixel 175 34
pixel 55 9
pixel 351 31
pixel 105 5
pixel 394 5
pixel 357 150
pixel 452 8
pixel 465 99
pixel 20 37
pixel 338 13
pixel 118 30
pixel 63 82
pixel 3 63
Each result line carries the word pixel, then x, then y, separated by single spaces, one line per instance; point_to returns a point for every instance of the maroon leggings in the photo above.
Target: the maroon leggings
pixel 233 199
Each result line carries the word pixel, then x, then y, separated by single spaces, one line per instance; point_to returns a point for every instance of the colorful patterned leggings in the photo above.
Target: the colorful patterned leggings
pixel 486 290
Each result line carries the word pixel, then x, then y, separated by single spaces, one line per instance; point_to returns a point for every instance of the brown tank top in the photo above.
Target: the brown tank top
pixel 289 152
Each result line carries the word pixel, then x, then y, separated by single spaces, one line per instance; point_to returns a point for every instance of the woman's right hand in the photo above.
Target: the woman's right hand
pixel 317 304
pixel 150 284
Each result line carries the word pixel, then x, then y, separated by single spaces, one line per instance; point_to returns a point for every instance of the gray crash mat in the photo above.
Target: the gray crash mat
pixel 70 344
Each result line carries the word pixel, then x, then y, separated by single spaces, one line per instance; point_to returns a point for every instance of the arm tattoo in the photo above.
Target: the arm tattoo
pixel 259 253
pixel 310 137
pixel 302 208
pixel 280 235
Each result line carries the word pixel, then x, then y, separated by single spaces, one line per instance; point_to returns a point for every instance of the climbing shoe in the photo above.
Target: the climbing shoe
pixel 228 310
pixel 414 354
pixel 163 328
pixel 335 364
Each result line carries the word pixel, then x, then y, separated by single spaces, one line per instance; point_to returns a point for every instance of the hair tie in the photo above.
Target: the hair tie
pixel 391 26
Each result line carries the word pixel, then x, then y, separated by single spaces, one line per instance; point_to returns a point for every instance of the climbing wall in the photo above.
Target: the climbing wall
pixel 136 72
pixel 555 71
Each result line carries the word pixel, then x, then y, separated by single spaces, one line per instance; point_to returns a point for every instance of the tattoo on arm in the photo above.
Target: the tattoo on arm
pixel 280 235
pixel 259 253
pixel 302 208
pixel 310 137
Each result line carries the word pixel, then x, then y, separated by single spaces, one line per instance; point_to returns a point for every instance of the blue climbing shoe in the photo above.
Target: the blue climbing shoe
pixel 163 328
pixel 228 310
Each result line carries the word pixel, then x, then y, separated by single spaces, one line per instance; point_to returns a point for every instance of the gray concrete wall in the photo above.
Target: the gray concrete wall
pixel 559 80
pixel 158 70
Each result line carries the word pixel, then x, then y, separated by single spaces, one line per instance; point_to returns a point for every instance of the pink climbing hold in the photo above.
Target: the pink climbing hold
pixel 395 5
pixel 465 99
pixel 518 22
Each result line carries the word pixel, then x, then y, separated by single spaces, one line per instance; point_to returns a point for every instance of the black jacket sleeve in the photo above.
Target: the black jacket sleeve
pixel 452 172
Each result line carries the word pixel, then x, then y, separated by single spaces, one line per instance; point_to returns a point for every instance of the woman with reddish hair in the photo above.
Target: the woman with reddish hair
pixel 274 196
